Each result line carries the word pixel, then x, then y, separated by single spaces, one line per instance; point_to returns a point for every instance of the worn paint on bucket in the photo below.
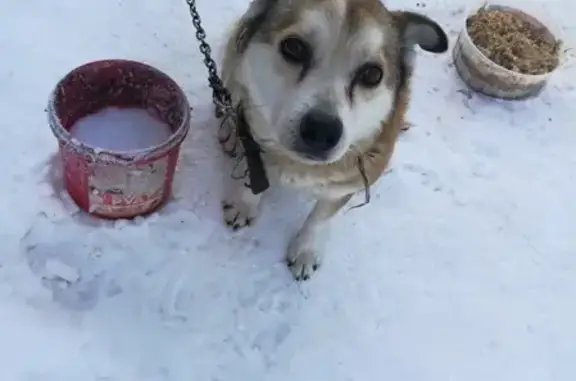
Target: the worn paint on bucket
pixel 112 183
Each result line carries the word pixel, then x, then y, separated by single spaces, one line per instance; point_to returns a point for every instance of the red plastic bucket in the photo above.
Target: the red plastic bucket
pixel 113 184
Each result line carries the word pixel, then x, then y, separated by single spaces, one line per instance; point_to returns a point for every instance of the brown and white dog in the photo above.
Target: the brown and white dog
pixel 325 86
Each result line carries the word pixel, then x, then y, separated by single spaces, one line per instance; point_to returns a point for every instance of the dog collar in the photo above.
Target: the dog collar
pixel 258 180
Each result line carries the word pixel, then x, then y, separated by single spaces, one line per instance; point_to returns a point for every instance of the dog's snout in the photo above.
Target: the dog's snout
pixel 320 131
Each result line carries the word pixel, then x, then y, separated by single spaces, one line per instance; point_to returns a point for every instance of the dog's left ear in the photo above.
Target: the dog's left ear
pixel 416 29
pixel 252 21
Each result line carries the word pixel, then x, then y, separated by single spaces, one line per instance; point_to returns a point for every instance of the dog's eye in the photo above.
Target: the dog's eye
pixel 294 50
pixel 369 75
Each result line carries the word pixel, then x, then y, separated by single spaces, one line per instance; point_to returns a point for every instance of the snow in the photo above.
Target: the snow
pixel 463 266
pixel 121 129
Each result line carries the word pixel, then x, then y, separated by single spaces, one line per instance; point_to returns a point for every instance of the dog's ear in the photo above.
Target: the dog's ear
pixel 252 21
pixel 416 29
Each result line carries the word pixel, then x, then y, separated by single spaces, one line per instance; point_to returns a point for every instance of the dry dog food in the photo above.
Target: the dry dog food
pixel 513 43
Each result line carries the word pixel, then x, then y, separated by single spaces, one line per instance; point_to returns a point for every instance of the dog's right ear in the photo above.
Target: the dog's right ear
pixel 252 21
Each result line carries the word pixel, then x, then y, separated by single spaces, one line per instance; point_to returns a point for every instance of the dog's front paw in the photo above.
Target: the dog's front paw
pixel 304 257
pixel 238 214
pixel 241 211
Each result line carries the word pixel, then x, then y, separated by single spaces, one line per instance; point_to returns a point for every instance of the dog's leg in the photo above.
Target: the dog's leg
pixel 305 251
pixel 241 206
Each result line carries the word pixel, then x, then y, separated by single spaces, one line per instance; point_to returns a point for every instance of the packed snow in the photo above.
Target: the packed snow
pixel 121 129
pixel 463 266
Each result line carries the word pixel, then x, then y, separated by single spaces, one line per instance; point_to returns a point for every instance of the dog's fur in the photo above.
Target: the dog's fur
pixel 342 35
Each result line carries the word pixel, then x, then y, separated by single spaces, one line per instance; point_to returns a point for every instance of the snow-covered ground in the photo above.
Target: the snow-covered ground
pixel 462 268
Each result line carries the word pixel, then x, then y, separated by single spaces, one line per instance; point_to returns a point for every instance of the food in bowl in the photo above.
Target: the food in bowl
pixel 512 42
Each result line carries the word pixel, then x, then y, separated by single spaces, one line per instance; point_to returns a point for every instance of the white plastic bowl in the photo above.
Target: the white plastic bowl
pixel 486 77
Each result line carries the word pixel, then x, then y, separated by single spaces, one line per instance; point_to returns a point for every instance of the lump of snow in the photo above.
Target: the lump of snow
pixel 57 269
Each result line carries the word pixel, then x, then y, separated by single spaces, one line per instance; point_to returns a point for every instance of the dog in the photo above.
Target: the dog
pixel 325 86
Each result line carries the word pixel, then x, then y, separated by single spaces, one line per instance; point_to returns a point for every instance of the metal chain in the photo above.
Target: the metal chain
pixel 220 95
pixel 223 107
pixel 233 126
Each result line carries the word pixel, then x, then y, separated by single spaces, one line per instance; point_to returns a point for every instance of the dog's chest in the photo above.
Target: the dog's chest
pixel 317 182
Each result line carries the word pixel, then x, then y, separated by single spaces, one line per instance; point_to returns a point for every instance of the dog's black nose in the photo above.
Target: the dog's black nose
pixel 320 131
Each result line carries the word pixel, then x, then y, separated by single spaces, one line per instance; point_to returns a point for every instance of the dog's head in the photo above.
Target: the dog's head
pixel 319 76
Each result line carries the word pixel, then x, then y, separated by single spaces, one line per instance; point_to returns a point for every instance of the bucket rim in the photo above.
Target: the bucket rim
pixel 95 154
